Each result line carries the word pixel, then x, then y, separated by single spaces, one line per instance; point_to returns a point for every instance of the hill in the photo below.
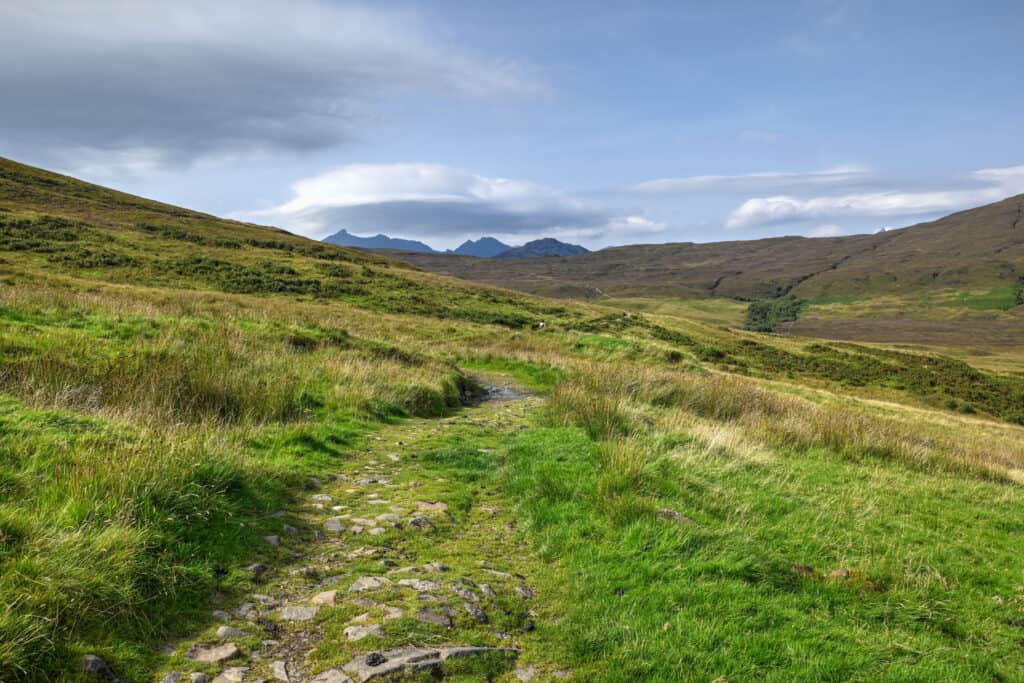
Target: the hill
pixel 485 247
pixel 542 248
pixel 982 247
pixel 226 447
pixel 344 239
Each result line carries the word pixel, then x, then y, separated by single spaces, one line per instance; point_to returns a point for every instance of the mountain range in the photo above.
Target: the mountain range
pixel 485 247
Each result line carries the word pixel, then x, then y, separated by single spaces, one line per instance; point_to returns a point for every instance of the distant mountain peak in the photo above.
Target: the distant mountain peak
pixel 344 238
pixel 546 246
pixel 485 247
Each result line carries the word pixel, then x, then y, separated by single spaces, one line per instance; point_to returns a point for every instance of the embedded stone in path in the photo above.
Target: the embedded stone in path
pixel 369 583
pixel 331 676
pixel 421 523
pixel 226 632
pixel 211 654
pixel 422 585
pixel 478 614
pixel 431 507
pixel 431 617
pixel 94 666
pixel 299 612
pixel 410 660
pixel 280 672
pixel 354 633
pixel 233 674
pixel 272 540
pixel 325 598
pixel 334 525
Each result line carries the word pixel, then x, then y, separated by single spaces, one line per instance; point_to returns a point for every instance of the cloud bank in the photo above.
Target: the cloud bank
pixel 157 84
pixel 982 186
pixel 446 204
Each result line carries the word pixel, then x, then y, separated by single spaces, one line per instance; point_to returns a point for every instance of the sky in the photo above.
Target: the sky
pixel 598 123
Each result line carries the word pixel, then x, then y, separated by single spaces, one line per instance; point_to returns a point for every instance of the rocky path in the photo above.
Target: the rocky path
pixel 401 566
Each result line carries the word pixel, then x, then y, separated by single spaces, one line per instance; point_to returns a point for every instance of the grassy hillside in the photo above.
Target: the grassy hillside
pixel 690 503
pixel 980 248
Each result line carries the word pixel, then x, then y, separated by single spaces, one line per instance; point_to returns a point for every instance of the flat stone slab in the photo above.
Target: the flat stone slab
pixel 422 585
pixel 354 633
pixel 330 676
pixel 410 660
pixel 299 612
pixel 211 654
pixel 369 583
pixel 334 525
pixel 326 598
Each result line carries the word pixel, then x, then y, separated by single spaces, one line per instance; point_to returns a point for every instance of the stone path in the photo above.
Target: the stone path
pixel 387 571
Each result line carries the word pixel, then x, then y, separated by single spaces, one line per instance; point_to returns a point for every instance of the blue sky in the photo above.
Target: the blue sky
pixel 598 123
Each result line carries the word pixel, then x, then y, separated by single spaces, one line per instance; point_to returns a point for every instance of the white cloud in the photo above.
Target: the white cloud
pixel 841 176
pixel 443 204
pixel 986 185
pixel 180 80
pixel 830 230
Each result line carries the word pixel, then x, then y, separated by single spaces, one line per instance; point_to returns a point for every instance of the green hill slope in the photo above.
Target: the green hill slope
pixel 682 500
pixel 982 247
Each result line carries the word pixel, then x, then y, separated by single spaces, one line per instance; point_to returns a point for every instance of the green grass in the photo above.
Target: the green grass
pixel 933 593
pixel 168 379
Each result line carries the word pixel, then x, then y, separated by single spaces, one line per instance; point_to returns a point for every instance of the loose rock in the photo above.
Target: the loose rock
pixel 354 633
pixel 326 598
pixel 212 654
pixel 299 612
pixel 369 583
pixel 94 666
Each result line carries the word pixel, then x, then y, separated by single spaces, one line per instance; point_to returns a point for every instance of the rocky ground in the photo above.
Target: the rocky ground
pixel 387 571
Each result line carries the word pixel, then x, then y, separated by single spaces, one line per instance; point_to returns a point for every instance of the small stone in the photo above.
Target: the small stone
pixel 465 593
pixel 273 540
pixel 842 573
pixel 199 678
pixel 478 614
pixel 435 567
pixel 369 583
pixel 173 677
pixel 486 589
pixel 393 457
pixel 221 614
pixel 257 569
pixel 354 633
pixel 526 673
pixel 232 674
pixel 299 612
pixel 266 600
pixel 803 570
pixel 377 531
pixel 326 598
pixel 289 529
pixel 211 654
pixel 321 498
pixel 670 515
pixel 363 602
pixel 390 518
pixel 313 483
pixel 360 618
pixel 247 610
pixel 431 507
pixel 525 592
pixel 331 676
pixel 431 617
pixel 334 525
pixel 392 613
pixel 227 632
pixel 356 530
pixel 375 659
pixel 94 666
pixel 280 671
pixel 421 585
pixel 421 523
